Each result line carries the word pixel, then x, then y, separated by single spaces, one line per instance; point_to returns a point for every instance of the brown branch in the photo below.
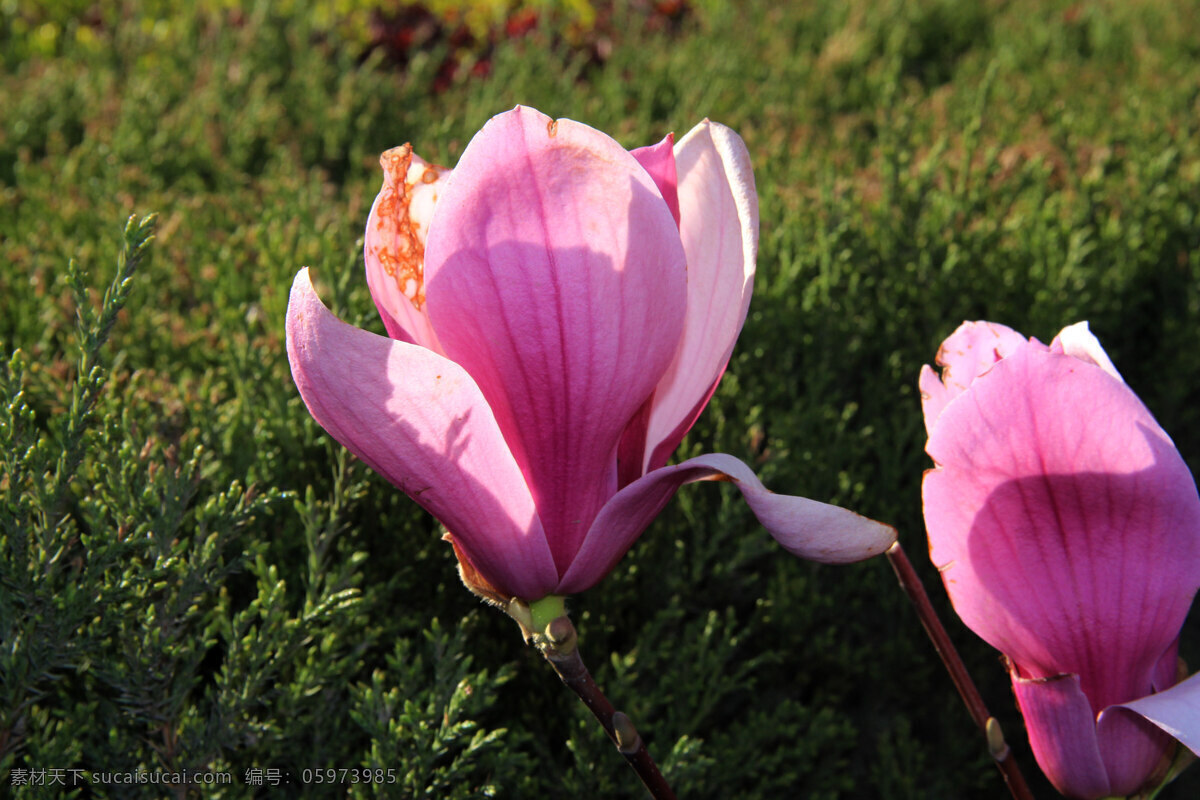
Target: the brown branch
pixel 910 582
pixel 559 644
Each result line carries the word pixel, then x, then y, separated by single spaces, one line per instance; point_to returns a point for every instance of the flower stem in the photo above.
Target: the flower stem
pixel 910 582
pixel 558 642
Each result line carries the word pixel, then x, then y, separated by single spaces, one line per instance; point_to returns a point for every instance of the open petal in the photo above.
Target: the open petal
pixel 420 421
pixel 805 528
pixel 1065 523
pixel 1176 711
pixel 718 212
pixel 965 355
pixel 394 246
pixel 1062 734
pixel 555 277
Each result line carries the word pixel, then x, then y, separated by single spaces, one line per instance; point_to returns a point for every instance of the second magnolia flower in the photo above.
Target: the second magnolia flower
pixel 560 311
pixel 1066 527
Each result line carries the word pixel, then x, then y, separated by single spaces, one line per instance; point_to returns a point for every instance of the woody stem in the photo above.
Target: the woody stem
pixel 910 582
pixel 559 644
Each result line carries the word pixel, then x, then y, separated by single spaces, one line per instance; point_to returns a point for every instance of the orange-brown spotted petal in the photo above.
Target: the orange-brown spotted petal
pixel 395 243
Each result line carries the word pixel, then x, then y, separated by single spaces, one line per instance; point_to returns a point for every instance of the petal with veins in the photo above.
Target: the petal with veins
pixel 420 421
pixel 1062 734
pixel 1064 522
pixel 806 528
pixel 555 277
pixel 718 213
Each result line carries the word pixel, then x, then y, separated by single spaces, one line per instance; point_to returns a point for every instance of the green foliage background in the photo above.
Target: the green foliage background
pixel 193 575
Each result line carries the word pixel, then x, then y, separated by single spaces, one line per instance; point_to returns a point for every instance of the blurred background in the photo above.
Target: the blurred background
pixel 194 576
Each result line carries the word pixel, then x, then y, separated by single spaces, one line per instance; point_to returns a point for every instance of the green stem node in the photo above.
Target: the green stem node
pixel 549 608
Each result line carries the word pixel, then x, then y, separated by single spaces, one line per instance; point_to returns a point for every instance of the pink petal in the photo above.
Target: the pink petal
pixel 659 161
pixel 1064 522
pixel 394 246
pixel 555 277
pixel 1176 711
pixel 1062 734
pixel 1136 753
pixel 421 422
pixel 718 212
pixel 631 450
pixel 805 528
pixel 965 355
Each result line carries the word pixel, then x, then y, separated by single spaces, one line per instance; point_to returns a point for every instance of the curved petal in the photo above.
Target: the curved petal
pixel 1065 523
pixel 718 212
pixel 1062 734
pixel 1176 711
pixel 394 245
pixel 1136 753
pixel 555 277
pixel 965 355
pixel 805 528
pixel 421 422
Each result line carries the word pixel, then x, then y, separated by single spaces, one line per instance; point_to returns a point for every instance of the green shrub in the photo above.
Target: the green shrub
pixel 194 576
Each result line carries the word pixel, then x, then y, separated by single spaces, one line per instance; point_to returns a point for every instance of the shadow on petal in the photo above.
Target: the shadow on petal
pixel 1088 573
pixel 421 422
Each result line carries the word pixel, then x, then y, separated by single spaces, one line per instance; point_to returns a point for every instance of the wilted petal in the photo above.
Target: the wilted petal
pixel 555 276
pixel 1064 522
pixel 805 528
pixel 1062 734
pixel 1176 711
pixel 394 246
pixel 420 421
pixel 965 355
pixel 718 212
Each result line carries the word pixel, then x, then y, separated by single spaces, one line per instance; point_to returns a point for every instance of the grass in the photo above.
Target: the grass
pixel 197 577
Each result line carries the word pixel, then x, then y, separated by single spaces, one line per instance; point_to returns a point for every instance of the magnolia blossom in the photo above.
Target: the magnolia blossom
pixel 1066 527
pixel 560 310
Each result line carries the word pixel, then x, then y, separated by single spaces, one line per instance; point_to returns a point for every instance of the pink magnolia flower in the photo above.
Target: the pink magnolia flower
pixel 560 311
pixel 1066 527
